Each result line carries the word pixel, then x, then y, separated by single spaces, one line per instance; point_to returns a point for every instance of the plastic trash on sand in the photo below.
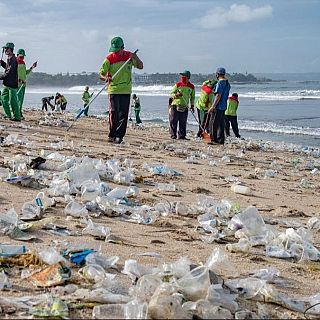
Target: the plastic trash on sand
pixel 270 173
pixel 145 287
pixel 54 308
pixel 194 285
pixel 166 303
pixel 81 173
pixel 10 250
pixel 161 170
pixel 101 260
pixel 53 275
pixel 314 224
pixel 243 245
pixel 98 275
pixel 144 215
pixel 166 187
pixel 8 220
pixel 219 263
pixel 269 273
pixel 185 209
pixel 75 209
pixel 46 202
pixel 135 270
pixel 237 188
pixel 109 311
pixel 132 310
pixel 51 256
pixel 96 230
pixel 30 211
pixel 4 281
pixel 221 297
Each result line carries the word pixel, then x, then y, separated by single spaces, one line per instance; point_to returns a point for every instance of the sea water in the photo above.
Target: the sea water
pixel 279 110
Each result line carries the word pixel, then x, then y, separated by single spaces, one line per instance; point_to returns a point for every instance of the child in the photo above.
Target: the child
pixel 231 115
pixel 136 108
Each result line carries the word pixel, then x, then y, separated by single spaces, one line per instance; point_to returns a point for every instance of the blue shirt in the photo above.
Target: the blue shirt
pixel 223 88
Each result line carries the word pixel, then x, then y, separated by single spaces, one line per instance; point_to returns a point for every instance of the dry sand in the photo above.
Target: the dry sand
pixel 279 199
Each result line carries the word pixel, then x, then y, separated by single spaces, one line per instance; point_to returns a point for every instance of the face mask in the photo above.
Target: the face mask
pixel 184 79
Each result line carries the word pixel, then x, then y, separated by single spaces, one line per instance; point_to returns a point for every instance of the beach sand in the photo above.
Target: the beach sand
pixel 280 200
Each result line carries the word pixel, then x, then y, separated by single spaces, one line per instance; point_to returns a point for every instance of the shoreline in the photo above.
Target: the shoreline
pixel 283 201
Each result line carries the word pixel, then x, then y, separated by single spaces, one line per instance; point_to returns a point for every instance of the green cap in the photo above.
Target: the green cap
pixel 9 45
pixel 116 44
pixel 21 52
pixel 186 73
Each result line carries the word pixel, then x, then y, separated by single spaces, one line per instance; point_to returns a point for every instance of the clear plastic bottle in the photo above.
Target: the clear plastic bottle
pixel 237 188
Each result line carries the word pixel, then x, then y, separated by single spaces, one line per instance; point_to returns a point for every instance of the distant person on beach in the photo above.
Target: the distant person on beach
pixel 22 76
pixel 136 108
pixel 204 103
pixel 47 101
pixel 86 96
pixel 10 82
pixel 120 87
pixel 182 94
pixel 217 110
pixel 60 103
pixel 231 115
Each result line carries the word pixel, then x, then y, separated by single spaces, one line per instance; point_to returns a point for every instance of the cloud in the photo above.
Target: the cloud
pixel 220 17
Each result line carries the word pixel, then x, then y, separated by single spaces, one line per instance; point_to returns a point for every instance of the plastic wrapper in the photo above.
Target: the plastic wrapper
pixel 135 270
pixel 101 260
pixel 75 209
pixel 96 230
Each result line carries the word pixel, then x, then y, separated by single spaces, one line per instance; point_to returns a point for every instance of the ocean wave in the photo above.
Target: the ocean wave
pixel 277 128
pixel 287 95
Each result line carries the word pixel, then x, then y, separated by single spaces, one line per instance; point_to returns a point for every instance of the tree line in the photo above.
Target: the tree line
pixel 91 79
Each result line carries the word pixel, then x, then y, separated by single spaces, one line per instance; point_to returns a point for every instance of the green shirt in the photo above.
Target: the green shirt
pixel 122 83
pixel 205 99
pixel 188 94
pixel 232 107
pixel 86 97
pixel 22 71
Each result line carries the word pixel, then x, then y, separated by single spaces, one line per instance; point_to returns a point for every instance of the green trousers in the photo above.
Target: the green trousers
pixel 21 91
pixel 137 114
pixel 10 103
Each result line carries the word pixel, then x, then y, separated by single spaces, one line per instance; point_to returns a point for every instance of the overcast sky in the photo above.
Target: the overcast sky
pixel 172 35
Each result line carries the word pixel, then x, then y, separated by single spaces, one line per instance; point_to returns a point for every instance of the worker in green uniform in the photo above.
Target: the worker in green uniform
pixel 86 96
pixel 119 88
pixel 10 82
pixel 22 77
pixel 136 108
pixel 204 103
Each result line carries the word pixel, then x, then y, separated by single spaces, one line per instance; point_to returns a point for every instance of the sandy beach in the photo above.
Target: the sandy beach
pixel 283 201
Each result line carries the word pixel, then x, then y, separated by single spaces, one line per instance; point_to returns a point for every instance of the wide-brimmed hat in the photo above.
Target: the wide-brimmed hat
pixel 21 52
pixel 9 45
pixel 186 73
pixel 116 44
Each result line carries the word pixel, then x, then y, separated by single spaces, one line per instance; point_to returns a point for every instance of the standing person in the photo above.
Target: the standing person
pixel 231 115
pixel 86 96
pixel 22 76
pixel 47 101
pixel 136 108
pixel 10 82
pixel 182 93
pixel 204 103
pixel 119 88
pixel 218 108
